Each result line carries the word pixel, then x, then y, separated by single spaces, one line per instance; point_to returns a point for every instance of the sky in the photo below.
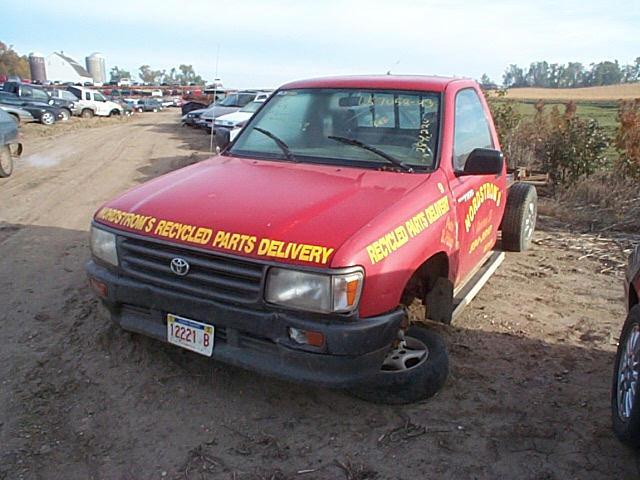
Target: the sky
pixel 263 44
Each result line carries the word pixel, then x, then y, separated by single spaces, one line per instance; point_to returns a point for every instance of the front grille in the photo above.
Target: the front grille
pixel 211 276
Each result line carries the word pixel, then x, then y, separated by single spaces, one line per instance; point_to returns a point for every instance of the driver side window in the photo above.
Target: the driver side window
pixel 471 128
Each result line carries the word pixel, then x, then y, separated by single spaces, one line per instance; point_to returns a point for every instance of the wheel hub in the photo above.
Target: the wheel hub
pixel 628 374
pixel 406 355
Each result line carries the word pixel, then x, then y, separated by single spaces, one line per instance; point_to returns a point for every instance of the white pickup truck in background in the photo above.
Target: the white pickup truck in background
pixel 92 103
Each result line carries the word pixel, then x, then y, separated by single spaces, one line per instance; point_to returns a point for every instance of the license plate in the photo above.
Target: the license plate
pixel 189 334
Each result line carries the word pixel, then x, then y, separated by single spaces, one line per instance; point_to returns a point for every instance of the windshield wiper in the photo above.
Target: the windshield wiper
pixel 283 146
pixel 386 156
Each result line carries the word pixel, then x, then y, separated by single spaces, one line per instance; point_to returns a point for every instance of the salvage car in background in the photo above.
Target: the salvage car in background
pixel 19 115
pixel 227 126
pixel 625 391
pixel 230 104
pixel 94 103
pixel 148 105
pixel 42 112
pixel 9 145
pixel 32 93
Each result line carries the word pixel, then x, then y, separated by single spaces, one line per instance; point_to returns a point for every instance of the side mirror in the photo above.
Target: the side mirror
pixel 483 161
pixel 223 138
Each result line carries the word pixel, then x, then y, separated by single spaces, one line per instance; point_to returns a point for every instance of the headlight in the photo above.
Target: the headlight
pixel 103 246
pixel 315 292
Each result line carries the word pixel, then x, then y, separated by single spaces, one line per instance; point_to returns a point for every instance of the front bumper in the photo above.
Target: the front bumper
pixel 257 339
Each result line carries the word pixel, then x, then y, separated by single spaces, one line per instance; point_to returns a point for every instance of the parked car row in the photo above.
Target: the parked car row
pixel 224 118
pixel 26 102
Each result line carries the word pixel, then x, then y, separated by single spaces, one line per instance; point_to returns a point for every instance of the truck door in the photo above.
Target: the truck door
pixel 479 198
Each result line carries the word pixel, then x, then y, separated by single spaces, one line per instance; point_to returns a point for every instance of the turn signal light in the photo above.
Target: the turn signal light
pixel 99 287
pixel 306 337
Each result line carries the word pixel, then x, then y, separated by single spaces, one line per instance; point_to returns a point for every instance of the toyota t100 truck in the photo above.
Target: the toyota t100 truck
pixel 296 251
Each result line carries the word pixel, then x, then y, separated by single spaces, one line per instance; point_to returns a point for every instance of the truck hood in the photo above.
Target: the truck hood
pixel 287 212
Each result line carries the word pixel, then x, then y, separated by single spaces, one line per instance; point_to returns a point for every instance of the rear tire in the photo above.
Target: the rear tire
pixel 6 161
pixel 519 221
pixel 626 417
pixel 417 382
pixel 87 113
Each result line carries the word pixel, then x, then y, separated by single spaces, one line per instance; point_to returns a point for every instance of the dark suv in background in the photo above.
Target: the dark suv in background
pixel 32 93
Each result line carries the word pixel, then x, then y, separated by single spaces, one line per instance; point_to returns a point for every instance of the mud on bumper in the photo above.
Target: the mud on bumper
pixel 257 339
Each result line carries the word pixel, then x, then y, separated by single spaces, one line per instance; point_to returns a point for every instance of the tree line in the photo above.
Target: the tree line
pixel 573 74
pixel 183 75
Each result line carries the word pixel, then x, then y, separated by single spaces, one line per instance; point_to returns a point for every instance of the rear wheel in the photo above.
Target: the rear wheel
pixel 519 221
pixel 625 395
pixel 6 161
pixel 87 113
pixel 114 113
pixel 414 370
pixel 48 118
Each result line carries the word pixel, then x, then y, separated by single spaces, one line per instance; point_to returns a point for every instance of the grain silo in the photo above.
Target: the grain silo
pixel 96 67
pixel 37 67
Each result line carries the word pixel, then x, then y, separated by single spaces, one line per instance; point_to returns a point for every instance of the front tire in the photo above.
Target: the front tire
pixel 625 395
pixel 87 113
pixel 519 221
pixel 6 161
pixel 66 114
pixel 412 372
pixel 48 118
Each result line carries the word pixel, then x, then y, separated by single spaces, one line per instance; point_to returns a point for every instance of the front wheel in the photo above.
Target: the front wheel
pixel 66 114
pixel 625 404
pixel 414 370
pixel 87 113
pixel 520 214
pixel 6 161
pixel 48 118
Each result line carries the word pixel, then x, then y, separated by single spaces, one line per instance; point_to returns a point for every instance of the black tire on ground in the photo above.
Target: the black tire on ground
pixel 87 113
pixel 66 114
pixel 519 221
pixel 114 113
pixel 418 382
pixel 47 118
pixel 627 426
pixel 6 161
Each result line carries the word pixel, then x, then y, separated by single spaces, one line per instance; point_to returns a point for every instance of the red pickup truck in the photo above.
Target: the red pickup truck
pixel 296 250
pixel 625 392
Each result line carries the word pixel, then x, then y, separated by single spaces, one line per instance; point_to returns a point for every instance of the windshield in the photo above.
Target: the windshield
pixel 236 100
pixel 251 107
pixel 339 126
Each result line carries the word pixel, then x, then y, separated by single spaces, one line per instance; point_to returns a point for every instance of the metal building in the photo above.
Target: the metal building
pixel 37 67
pixel 96 67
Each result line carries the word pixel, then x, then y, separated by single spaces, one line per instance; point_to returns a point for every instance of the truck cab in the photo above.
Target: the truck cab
pixel 296 251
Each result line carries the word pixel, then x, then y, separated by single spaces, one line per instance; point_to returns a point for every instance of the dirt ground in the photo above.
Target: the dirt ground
pixel 527 398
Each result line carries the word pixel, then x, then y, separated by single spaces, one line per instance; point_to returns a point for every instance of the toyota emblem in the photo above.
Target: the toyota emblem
pixel 179 266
